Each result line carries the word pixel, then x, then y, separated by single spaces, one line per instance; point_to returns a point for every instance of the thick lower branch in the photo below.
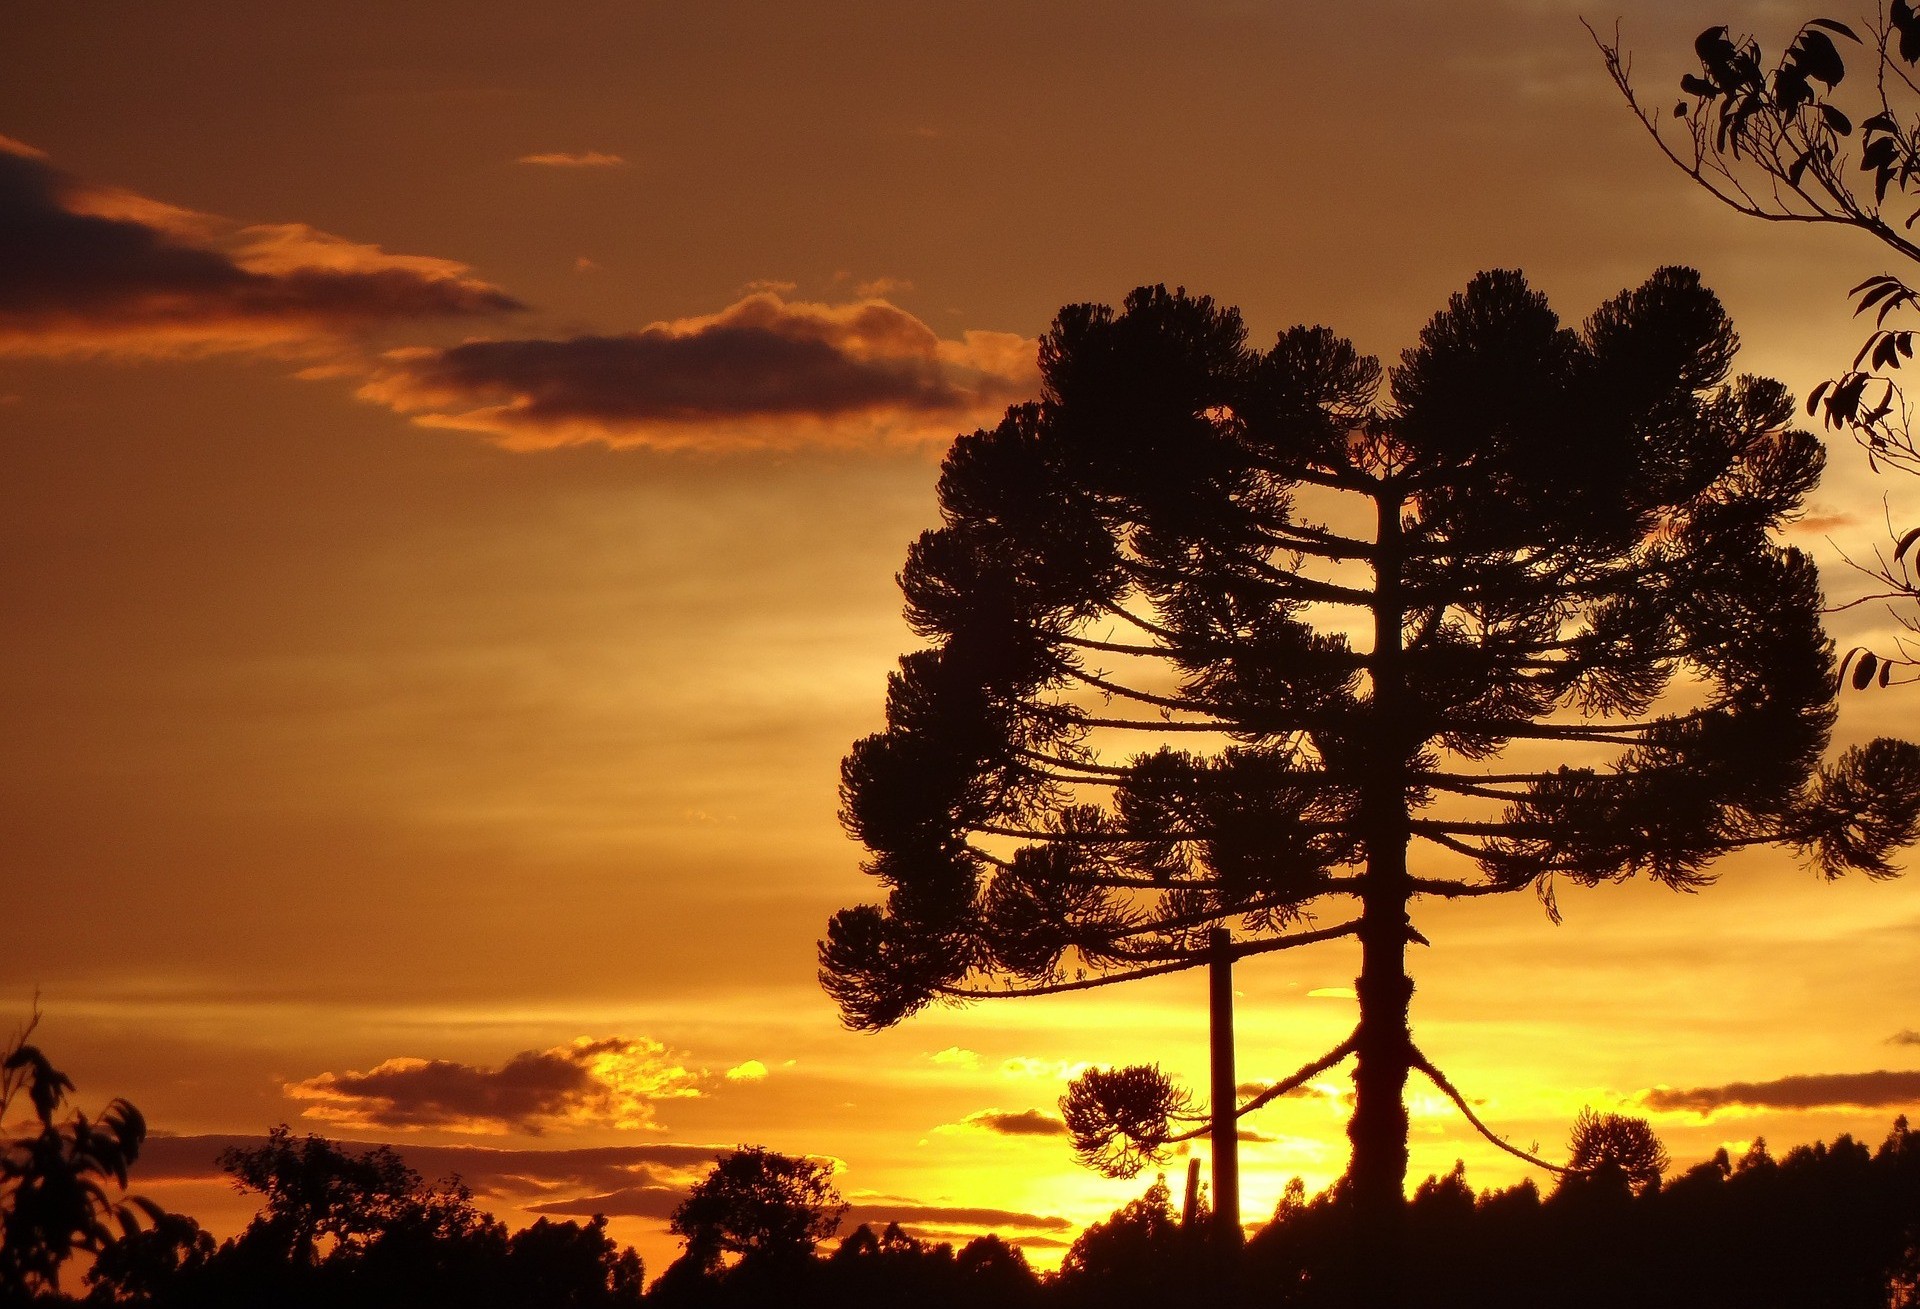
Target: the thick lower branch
pixel 1197 959
pixel 1455 890
pixel 1157 837
pixel 1291 1083
pixel 1447 1088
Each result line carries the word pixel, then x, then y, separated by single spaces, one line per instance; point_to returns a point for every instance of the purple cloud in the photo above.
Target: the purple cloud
pixel 87 269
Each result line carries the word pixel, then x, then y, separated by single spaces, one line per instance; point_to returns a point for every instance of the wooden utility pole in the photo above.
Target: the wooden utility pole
pixel 1225 1136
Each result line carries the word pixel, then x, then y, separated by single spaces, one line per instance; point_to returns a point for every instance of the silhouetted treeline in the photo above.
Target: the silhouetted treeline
pixel 891 1269
pixel 342 1229
pixel 1833 1224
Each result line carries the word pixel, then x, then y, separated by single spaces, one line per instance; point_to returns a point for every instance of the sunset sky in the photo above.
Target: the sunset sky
pixel 422 728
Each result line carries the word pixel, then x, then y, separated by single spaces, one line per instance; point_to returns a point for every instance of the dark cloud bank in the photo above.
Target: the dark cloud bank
pixel 1026 1122
pixel 1875 1090
pixel 751 372
pixel 614 1080
pixel 84 269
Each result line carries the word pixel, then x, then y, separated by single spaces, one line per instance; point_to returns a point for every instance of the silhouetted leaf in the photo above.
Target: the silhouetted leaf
pixel 1906 22
pixel 1817 58
pixel 1713 47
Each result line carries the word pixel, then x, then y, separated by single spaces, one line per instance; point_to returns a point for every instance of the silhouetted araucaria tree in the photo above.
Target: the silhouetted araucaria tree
pixel 1222 636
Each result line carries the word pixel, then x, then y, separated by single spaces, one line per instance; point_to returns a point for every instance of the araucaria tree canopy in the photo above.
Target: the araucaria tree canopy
pixel 1222 636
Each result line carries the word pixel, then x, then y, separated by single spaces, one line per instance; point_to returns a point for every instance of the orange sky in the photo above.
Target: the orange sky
pixel 455 462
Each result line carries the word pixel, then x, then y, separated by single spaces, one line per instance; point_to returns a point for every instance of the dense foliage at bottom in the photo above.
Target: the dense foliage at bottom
pixel 1832 1224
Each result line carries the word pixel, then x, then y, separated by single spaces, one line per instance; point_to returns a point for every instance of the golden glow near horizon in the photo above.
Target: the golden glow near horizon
pixel 450 509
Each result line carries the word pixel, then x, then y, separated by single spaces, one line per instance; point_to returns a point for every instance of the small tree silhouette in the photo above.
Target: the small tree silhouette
pixel 1138 1243
pixel 760 1205
pixel 566 1265
pixel 1613 1151
pixel 1218 635
pixel 54 1196
pixel 322 1202
pixel 344 1226
pixel 157 1267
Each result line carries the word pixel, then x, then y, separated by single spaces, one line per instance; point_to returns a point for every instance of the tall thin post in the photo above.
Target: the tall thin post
pixel 1226 1143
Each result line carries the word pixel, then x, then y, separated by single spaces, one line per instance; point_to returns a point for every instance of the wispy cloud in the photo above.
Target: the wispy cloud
pixel 1819 522
pixel 1875 1090
pixel 500 1174
pixel 764 372
pixel 566 159
pixel 1905 1036
pixel 647 1181
pixel 908 1215
pixel 1022 1066
pixel 89 270
pixel 659 1202
pixel 651 1201
pixel 1024 1122
pixel 1247 1090
pixel 611 1082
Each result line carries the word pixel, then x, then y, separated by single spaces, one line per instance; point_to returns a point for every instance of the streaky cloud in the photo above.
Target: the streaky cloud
pixel 614 1081
pixel 493 1172
pixel 1875 1090
pixel 569 159
pixel 1025 1122
pixel 908 1215
pixel 763 372
pixel 659 1202
pixel 94 270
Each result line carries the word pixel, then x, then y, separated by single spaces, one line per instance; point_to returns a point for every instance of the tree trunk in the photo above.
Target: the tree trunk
pixel 1377 1173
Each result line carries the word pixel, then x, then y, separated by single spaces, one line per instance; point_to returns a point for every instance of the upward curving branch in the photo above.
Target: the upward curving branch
pixel 1448 1089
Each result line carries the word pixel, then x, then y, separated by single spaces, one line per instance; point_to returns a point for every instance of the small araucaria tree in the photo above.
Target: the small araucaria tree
pixel 1225 637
